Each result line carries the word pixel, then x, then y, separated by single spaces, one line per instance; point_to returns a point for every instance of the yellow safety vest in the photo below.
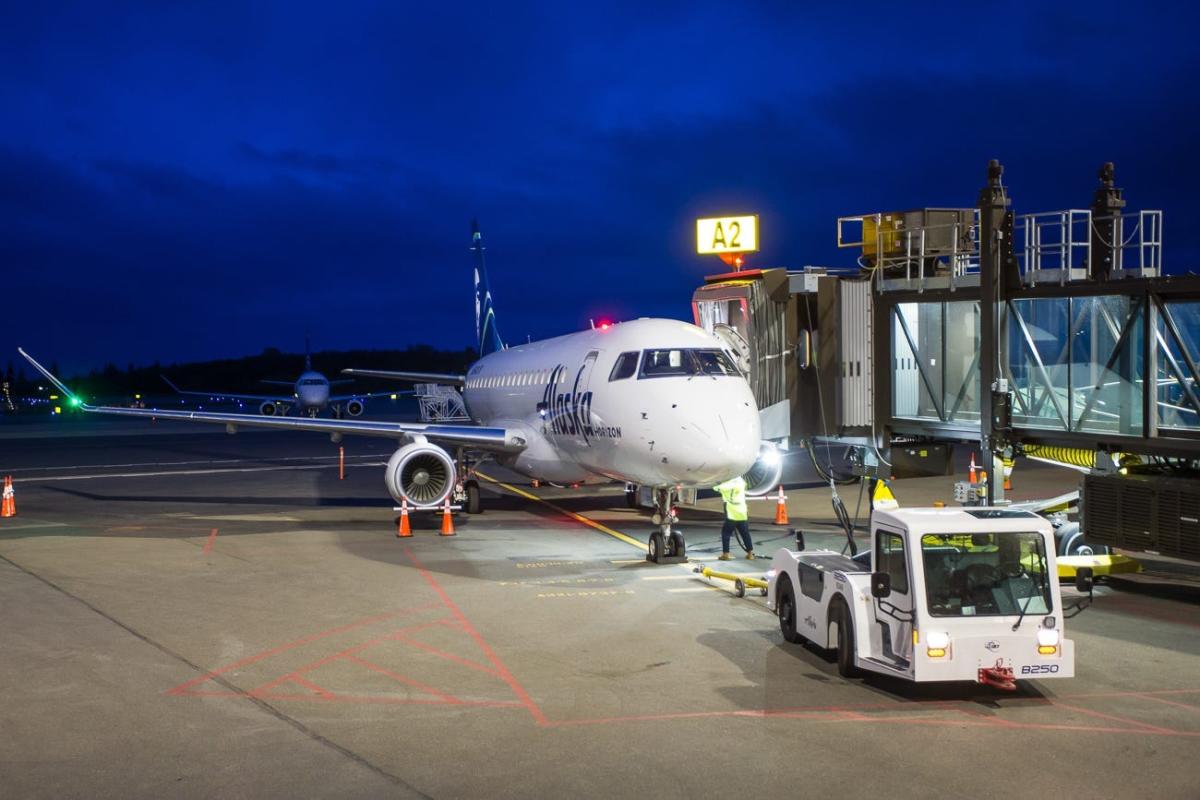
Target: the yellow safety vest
pixel 733 492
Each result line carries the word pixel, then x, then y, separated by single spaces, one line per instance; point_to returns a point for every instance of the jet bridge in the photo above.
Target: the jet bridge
pixel 1010 331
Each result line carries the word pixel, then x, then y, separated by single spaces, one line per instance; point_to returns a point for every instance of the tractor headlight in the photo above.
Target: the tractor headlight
pixel 1047 639
pixel 936 644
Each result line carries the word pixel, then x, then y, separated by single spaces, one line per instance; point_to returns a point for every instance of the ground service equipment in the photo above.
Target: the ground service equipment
pixel 942 595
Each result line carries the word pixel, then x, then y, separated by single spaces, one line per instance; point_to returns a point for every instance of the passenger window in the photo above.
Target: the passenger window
pixel 889 558
pixel 625 367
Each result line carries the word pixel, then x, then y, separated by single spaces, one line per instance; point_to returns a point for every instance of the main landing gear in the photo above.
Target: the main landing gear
pixel 666 544
pixel 466 491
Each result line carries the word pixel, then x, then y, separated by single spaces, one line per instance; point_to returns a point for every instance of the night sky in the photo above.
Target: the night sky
pixel 185 181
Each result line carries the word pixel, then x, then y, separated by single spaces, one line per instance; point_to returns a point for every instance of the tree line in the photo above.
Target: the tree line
pixel 241 375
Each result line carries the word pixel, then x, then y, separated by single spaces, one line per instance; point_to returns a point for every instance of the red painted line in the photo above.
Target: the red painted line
pixel 465 662
pixel 1113 717
pixel 375 700
pixel 504 674
pixel 212 538
pixel 448 698
pixel 1171 702
pixel 310 685
pixel 288 646
pixel 1152 693
pixel 323 660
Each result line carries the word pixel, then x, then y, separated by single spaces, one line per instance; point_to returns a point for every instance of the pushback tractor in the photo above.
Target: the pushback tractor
pixel 942 595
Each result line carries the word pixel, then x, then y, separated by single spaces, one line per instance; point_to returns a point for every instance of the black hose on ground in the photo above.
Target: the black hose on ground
pixel 827 476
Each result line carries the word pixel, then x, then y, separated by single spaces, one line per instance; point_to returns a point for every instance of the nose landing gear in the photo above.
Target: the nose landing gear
pixel 666 545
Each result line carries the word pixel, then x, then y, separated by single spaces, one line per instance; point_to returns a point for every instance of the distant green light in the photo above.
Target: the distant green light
pixel 75 402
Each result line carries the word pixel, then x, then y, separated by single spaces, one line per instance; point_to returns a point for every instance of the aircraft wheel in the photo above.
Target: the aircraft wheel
pixel 473 504
pixel 785 602
pixel 677 546
pixel 658 546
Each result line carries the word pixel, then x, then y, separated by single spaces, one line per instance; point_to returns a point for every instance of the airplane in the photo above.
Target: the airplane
pixel 657 403
pixel 310 393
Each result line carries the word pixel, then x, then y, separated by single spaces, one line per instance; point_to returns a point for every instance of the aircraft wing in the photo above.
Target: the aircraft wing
pixel 491 439
pixel 415 377
pixel 341 398
pixel 277 398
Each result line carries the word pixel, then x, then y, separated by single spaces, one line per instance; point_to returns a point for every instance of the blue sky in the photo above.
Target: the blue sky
pixel 182 181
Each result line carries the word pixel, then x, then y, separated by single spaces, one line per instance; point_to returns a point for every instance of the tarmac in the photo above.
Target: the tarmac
pixel 190 614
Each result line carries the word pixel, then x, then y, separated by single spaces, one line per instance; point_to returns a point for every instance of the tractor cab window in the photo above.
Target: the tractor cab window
pixel 986 574
pixel 625 367
pixel 889 558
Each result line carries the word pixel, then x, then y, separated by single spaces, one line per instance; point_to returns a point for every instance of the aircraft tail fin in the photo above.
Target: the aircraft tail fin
pixel 307 352
pixel 486 335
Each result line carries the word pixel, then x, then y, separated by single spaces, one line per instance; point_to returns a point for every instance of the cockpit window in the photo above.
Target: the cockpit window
pixel 658 363
pixel 625 367
pixel 715 362
pixel 671 362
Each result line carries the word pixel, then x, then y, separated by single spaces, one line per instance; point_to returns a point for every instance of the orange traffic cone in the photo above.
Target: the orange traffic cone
pixel 535 483
pixel 447 519
pixel 403 530
pixel 971 474
pixel 1008 468
pixel 781 509
pixel 8 508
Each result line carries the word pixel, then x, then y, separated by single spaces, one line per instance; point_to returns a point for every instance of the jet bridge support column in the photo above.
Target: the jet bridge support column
pixel 997 279
pixel 1106 233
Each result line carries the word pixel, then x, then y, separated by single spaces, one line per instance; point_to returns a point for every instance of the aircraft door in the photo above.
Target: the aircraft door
pixel 737 344
pixel 892 636
pixel 581 404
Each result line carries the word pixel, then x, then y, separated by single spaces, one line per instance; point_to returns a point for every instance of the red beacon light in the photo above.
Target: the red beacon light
pixel 604 325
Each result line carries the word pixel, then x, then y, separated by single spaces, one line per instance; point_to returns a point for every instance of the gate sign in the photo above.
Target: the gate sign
pixel 717 235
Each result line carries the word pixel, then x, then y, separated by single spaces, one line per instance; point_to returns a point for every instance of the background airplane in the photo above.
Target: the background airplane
pixel 310 394
pixel 654 402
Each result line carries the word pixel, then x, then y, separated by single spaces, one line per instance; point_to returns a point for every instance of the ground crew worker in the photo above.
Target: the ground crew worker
pixel 733 492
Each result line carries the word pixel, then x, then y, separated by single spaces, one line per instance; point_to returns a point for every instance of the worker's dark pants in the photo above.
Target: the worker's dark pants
pixel 742 526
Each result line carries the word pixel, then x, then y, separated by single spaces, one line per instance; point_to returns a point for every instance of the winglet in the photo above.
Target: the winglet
pixel 62 387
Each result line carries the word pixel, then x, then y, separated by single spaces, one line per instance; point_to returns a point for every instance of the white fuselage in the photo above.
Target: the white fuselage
pixel 584 424
pixel 312 391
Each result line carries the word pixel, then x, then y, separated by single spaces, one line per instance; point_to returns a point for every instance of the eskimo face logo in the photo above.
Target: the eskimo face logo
pixel 569 413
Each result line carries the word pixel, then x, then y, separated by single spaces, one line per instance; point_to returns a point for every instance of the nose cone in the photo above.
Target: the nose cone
pixel 721 434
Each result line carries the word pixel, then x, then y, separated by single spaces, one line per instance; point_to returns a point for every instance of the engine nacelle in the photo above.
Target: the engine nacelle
pixel 766 472
pixel 422 474
pixel 354 408
pixel 268 409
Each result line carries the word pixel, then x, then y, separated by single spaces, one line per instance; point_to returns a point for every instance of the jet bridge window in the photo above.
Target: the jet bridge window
pixel 625 367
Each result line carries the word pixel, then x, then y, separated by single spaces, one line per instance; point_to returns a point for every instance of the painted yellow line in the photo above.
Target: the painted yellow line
pixel 680 576
pixel 577 517
pixel 695 589
pixel 630 561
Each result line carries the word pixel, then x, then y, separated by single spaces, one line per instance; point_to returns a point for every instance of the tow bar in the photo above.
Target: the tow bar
pixel 740 582
pixel 998 676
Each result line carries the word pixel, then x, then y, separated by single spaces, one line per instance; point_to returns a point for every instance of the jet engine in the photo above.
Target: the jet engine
pixel 268 409
pixel 766 472
pixel 421 473
pixel 354 408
